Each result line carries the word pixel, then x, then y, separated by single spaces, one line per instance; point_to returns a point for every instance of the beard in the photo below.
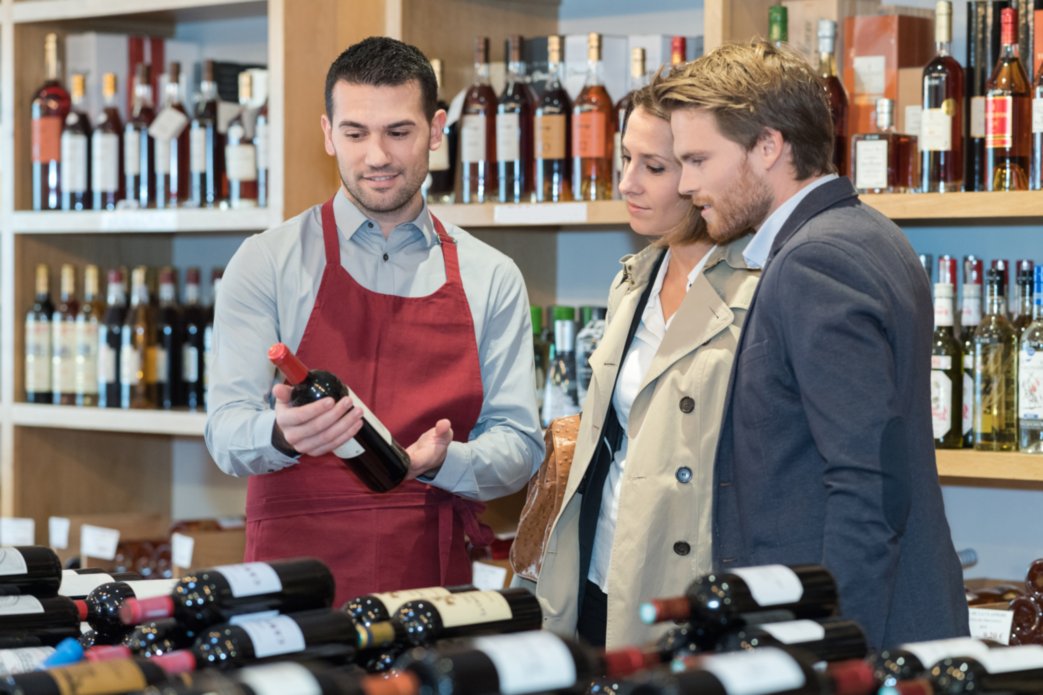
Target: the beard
pixel 743 209
pixel 388 201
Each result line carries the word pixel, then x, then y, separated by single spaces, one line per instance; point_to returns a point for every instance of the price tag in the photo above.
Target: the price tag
pixel 168 124
pixel 99 542
pixel 181 547
pixel 17 531
pixel 991 624
pixel 488 577
pixel 58 532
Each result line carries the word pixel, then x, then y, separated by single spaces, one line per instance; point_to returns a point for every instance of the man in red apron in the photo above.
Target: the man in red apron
pixel 428 326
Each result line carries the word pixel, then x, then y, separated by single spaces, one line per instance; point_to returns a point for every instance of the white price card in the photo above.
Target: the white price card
pixel 181 547
pixel 488 577
pixel 990 624
pixel 99 542
pixel 58 532
pixel 17 531
pixel 167 124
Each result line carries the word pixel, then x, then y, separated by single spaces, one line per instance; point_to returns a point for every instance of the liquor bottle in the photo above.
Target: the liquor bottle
pixel 38 340
pixel 261 141
pixel 913 660
pixel 206 145
pixel 376 608
pixel 107 150
pixel 29 569
pixel 77 584
pixel 137 347
pixel 240 153
pixel 514 118
pixel 541 352
pixel 169 340
pixel 983 51
pixel 441 162
pixel 477 161
pixel 941 124
pixel 552 131
pixel 835 92
pixel 1023 300
pixel 63 339
pixel 138 146
pixel 587 341
pixel 193 325
pixel 96 678
pixel 995 371
pixel 884 161
pixel 1030 375
pixel 946 363
pixel 970 319
pixel 638 79
pixel 721 598
pixel 208 330
pixel 1008 114
pixel 560 393
pixel 593 128
pixel 158 637
pixel 1011 670
pixel 42 619
pixel 373 454
pixel 927 263
pixel 170 136
pixel 110 341
pixel 50 106
pixel 76 151
pixel 678 50
pixel 778 25
pixel 101 607
pixel 88 320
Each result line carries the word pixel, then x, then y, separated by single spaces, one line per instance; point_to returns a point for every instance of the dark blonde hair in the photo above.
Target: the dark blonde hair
pixel 754 86
pixel 694 228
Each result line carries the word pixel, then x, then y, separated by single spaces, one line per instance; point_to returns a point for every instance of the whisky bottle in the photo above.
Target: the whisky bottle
pixel 441 162
pixel 638 79
pixel 995 371
pixel 885 161
pixel 970 319
pixel 87 322
pixel 514 117
pixel 138 348
pixel 593 130
pixel 1008 114
pixel 206 145
pixel 138 146
pixel 107 150
pixel 477 161
pixel 240 153
pixel 778 24
pixel 941 125
pixel 1030 375
pixel 946 363
pixel 835 92
pixel 50 106
pixel 551 130
pixel 63 339
pixel 76 151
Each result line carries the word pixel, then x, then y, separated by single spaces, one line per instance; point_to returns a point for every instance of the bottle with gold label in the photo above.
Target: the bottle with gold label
pixel 551 130
pixel 476 176
pixel 593 130
pixel 63 339
pixel 138 387
pixel 88 321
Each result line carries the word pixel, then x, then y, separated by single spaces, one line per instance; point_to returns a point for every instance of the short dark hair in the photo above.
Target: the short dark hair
pixel 381 61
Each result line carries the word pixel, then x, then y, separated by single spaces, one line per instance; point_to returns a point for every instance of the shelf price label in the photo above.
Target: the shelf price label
pixel 99 542
pixel 17 531
pixel 181 549
pixel 58 532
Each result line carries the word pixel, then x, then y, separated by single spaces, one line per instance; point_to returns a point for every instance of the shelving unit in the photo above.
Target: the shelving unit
pixel 969 467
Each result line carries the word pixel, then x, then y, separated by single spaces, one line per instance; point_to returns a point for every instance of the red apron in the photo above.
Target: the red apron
pixel 412 360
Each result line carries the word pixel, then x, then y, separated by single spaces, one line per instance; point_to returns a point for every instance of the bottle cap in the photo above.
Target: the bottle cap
pixel 624 662
pixel 108 652
pixel 536 316
pixel 852 677
pixel 173 663
pixel 291 367
pixel 81 609
pixel 138 610
pixel 663 609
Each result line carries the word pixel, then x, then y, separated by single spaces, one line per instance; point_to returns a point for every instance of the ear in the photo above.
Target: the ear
pixel 437 129
pixel 327 135
pixel 770 149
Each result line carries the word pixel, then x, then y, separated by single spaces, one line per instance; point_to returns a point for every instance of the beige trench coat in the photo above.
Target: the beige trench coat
pixel 662 538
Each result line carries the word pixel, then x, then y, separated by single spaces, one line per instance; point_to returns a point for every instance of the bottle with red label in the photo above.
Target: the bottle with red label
pixel 51 104
pixel 593 130
pixel 1008 114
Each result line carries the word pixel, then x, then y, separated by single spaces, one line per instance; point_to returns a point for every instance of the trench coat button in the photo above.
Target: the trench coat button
pixel 682 548
pixel 687 404
pixel 684 474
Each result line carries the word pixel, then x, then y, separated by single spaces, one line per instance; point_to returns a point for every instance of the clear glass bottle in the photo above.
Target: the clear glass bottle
pixel 63 339
pixel 970 319
pixel 884 161
pixel 76 150
pixel 560 395
pixel 995 371
pixel 107 150
pixel 514 113
pixel 552 131
pixel 87 335
pixel 138 147
pixel 50 106
pixel 1030 375
pixel 941 125
pixel 240 153
pixel 1023 301
pixel 441 162
pixel 476 171
pixel 593 130
pixel 946 363
pixel 835 92
pixel 1008 114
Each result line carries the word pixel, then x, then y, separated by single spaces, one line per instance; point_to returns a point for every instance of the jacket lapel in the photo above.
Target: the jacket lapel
pixel 832 193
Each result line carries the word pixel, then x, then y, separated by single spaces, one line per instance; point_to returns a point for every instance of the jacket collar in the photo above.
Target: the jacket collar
pixel 839 191
pixel 638 267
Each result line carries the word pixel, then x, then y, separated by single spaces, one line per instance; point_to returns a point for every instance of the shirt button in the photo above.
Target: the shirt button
pixel 682 548
pixel 684 474
pixel 687 404
pixel 370 225
pixel 385 256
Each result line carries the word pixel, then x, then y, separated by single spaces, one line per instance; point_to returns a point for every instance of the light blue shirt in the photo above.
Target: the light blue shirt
pixel 267 295
pixel 757 251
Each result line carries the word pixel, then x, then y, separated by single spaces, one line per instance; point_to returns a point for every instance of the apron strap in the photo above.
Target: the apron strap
pixel 450 507
pixel 329 233
pixel 452 261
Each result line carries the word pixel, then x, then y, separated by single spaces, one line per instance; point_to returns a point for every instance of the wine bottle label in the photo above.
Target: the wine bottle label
pixel 941 397
pixel 150 588
pixel 105 152
pixel 508 137
pixel 871 158
pixel 968 396
pixel 549 133
pixel 37 355
pixel 438 159
pixel 85 677
pixel 86 378
pixel 978 117
pixel 795 631
pixel 930 653
pixel 63 357
pixel 20 605
pixel 278 679
pixel 1030 383
pixel 106 362
pixel 372 419
pixel 1037 115
pixel 161 156
pixel 197 149
pixel 529 662
pixel 617 154
pixel 250 578
pixel 349 450
pixel 241 162
pixel 130 365
pixel 943 362
pixel 771 585
pixel 131 152
pixel 472 138
pixel 75 585
pixel 393 600
pixel 74 163
pixel 764 670
pixel 11 562
pixel 989 624
pixel 1027 657
pixel 168 124
pixel 999 122
pixel 160 364
pixel 46 139
pixel 279 635
pixel 943 314
pixel 472 607
pixel 588 134
pixel 935 130
pixel 23 660
pixel 190 364
pixel 261 142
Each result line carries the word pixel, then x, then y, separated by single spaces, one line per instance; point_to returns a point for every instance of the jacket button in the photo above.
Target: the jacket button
pixel 687 404
pixel 684 474
pixel 682 548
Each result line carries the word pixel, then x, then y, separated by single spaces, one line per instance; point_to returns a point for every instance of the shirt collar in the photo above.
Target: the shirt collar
pixel 351 220
pixel 756 252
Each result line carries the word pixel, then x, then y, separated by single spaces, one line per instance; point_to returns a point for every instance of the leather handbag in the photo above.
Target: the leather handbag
pixel 544 497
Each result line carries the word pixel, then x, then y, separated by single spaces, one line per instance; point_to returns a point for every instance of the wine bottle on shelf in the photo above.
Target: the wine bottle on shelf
pixel 38 620
pixel 983 51
pixel 514 114
pixel 137 368
pixel 593 128
pixel 884 161
pixel 373 454
pixel 138 146
pixel 552 131
pixel 441 162
pixel 170 135
pixel 561 392
pixel 110 341
pixel 995 371
pixel 208 330
pixel 1023 284
pixel 76 151
pixel 88 320
pixel 970 318
pixel 941 125
pixel 101 608
pixel 29 569
pixel 98 678
pixel 280 678
pixel 107 176
pixel 1008 114
pixel 240 153
pixel 946 363
pixel 829 639
pixel 376 608
pixel 678 50
pixel 63 339
pixel 476 178
pixel 261 141
pixel 638 79
pixel 169 340
pixel 1010 670
pixel 77 584
pixel 50 106
pixel 38 340
pixel 835 92
pixel 193 326
pixel 778 25
pixel 205 145
pixel 1030 375
pixel 219 594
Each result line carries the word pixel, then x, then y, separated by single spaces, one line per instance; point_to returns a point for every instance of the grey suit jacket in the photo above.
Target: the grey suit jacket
pixel 826 452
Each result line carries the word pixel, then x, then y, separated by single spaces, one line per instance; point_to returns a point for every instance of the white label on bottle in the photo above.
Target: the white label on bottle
pixel 349 450
pixel 98 541
pixel 23 659
pixel 472 607
pixel 488 577
pixel 241 162
pixel 871 164
pixel 247 617
pixel 168 124
pixel 935 130
pixel 943 314
pixel 978 117
pixel 130 365
pixel 151 588
pixel 20 605
pixel 37 355
pixel 529 662
pixel 870 75
pixel 161 156
pixel 161 363
pixel 11 562
pixel 105 152
pixel 106 362
pixel 990 624
pixel 17 531
pixel 197 149
pixel 941 399
pixel 250 578
pixel 968 398
pixel 1025 657
pixel 58 532
pixel 472 138
pixel 508 137
pixel 930 653
pixel 74 163
pixel 941 362
pixel 261 142
pixel 393 600
pixel 181 549
pixel 63 357
pixel 771 585
pixel 913 122
pixel 279 678
pixel 190 364
pixel 795 631
pixel 77 585
pixel 279 635
pixel 1030 383
pixel 438 159
pixel 86 379
pixel 1037 115
pixel 131 152
pixel 764 670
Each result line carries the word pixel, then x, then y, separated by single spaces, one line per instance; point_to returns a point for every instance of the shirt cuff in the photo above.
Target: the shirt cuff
pixel 456 474
pixel 274 460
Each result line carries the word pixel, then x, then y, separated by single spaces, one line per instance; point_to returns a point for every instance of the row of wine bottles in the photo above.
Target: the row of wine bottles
pixel 563 353
pixel 89 351
pixel 177 156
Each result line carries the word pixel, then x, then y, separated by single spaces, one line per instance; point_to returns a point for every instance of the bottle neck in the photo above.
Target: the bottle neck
pixel 943 48
pixel 167 293
pixel 554 71
pixel 172 95
pixel 995 301
pixel 943 309
pixel 208 90
pixel 594 73
pixel 481 73
pixel 827 64
pixel 139 294
pixel 516 71
pixel 192 294
pixel 116 296
pixel 142 96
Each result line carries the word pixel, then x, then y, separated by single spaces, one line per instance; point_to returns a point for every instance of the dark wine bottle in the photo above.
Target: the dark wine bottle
pixel 101 608
pixel 1009 670
pixel 910 661
pixel 96 678
pixel 29 569
pixel 78 583
pixel 23 659
pixel 279 678
pixel 158 637
pixel 373 454
pixel 30 620
pixel 217 595
pixel 831 639
pixel 376 608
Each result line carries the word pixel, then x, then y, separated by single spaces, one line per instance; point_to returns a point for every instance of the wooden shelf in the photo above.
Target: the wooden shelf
pixel 954 207
pixel 64 10
pixel 162 422
pixel 969 467
pixel 606 212
pixel 148 221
